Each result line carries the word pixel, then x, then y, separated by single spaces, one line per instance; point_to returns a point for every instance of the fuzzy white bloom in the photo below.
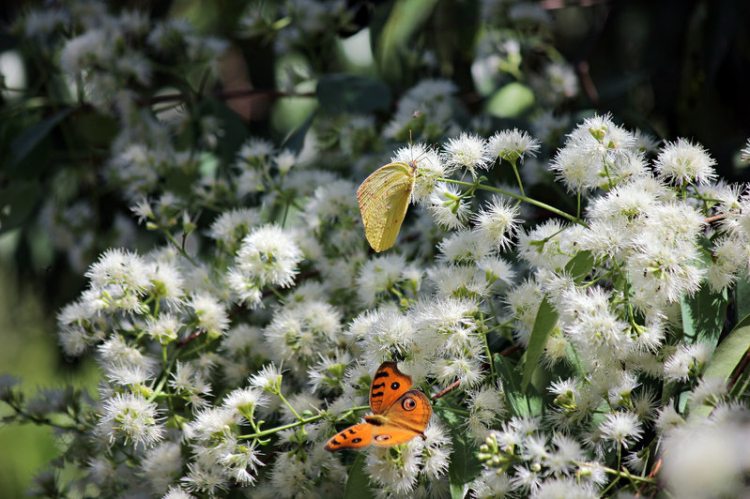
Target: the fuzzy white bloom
pixel 161 466
pixel 622 428
pixel 398 475
pixel 267 379
pixel 446 208
pixel 188 381
pixel 379 276
pixel 523 304
pixel 119 268
pixel 564 488
pixel 254 152
pixel 211 315
pixel 269 256
pixel 205 477
pixel 687 362
pixel 683 162
pixel 132 418
pixel 468 151
pixel 512 145
pixel 710 459
pixel 710 391
pixel 436 451
pixel 464 246
pixel 491 485
pixel 164 328
pixel 232 226
pixel 297 335
pixel 285 160
pixel 177 493
pixel 498 222
pixel 544 246
pixel 166 280
pixel 92 48
pixel 116 351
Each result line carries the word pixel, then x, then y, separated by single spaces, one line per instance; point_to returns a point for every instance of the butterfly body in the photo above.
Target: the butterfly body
pixel 399 413
pixel 383 200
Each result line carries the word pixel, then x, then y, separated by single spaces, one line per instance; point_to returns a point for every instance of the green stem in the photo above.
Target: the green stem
pixel 290 407
pixel 451 409
pixel 519 197
pixel 518 177
pixel 179 247
pixel 620 474
pixel 301 422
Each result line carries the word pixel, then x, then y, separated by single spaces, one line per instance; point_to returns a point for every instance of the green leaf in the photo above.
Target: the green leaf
pixel 513 99
pixel 580 265
pixel 27 140
pixel 340 93
pixel 703 315
pixel 358 483
pixel 391 41
pixel 464 465
pixel 742 298
pixel 546 319
pixel 295 139
pixel 521 404
pixel 726 358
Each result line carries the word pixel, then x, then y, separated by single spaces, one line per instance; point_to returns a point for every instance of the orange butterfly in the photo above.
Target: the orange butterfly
pixel 399 414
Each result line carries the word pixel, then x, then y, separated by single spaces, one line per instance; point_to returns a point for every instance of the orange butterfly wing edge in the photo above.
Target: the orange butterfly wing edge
pixel 400 414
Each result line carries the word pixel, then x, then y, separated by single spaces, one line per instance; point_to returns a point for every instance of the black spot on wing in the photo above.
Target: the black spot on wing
pixel 351 432
pixel 382 374
pixel 376 387
pixel 343 435
pixel 379 394
pixel 335 442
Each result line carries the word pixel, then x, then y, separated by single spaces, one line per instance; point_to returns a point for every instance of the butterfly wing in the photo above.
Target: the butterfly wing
pixel 389 435
pixel 383 199
pixel 388 385
pixel 412 412
pixel 354 437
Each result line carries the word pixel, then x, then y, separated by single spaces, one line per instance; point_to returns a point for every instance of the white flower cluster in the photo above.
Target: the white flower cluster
pixel 563 353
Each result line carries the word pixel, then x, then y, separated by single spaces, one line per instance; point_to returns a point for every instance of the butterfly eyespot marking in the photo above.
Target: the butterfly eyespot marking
pixel 383 438
pixel 395 385
pixel 356 440
pixel 409 404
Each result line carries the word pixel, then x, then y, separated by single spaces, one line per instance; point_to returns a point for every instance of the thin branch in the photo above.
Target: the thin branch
pixel 510 350
pixel 447 390
pixel 715 218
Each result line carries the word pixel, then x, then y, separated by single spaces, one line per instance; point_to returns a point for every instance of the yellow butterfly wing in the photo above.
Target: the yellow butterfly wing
pixel 383 200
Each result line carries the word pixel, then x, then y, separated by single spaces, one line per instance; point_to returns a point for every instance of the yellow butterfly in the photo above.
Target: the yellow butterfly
pixel 399 414
pixel 383 199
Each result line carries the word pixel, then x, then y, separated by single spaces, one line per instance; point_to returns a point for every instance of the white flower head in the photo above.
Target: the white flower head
pixel 211 314
pixel 132 418
pixel 269 256
pixel 622 428
pixel 512 145
pixel 498 222
pixel 446 208
pixel 468 151
pixel 683 162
